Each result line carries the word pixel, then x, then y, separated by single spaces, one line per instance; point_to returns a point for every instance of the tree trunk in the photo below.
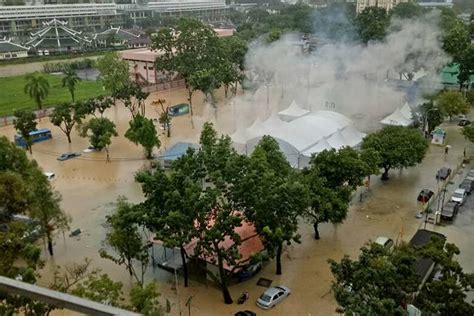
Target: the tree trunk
pixel 385 173
pixel 30 149
pixel 50 244
pixel 226 88
pixel 129 267
pixel 278 259
pixel 190 100
pixel 185 266
pixel 316 231
pixel 225 290
pixel 168 131
pixel 68 137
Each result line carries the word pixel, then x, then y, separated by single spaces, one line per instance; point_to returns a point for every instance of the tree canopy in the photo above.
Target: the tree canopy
pixel 37 87
pixel 397 147
pixel 25 122
pixel 452 103
pixel 142 131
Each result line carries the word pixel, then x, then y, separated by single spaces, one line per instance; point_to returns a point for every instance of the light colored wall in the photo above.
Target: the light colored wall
pixel 11 55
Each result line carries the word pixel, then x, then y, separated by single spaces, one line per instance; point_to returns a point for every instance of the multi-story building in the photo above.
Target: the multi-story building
pixel 386 4
pixel 19 21
pixel 436 3
pixel 210 10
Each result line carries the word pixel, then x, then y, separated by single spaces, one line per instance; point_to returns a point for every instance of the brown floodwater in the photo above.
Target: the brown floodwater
pixel 89 186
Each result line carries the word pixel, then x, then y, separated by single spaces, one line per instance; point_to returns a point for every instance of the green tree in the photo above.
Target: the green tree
pixel 66 116
pixel 272 198
pixel 98 104
pixel 406 10
pixel 142 131
pixel 446 295
pixel 452 103
pixel 380 282
pixel 78 279
pixel 13 191
pixel 331 179
pixel 24 123
pixel 124 238
pixel 70 80
pixel 189 48
pixel 46 209
pixel 468 132
pixel 133 97
pixel 397 147
pixel 37 87
pixel 170 207
pixel 144 300
pixel 206 80
pixel 113 71
pixel 372 24
pixel 100 132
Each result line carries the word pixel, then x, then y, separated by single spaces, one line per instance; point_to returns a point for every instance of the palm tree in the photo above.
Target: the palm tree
pixel 70 81
pixel 37 88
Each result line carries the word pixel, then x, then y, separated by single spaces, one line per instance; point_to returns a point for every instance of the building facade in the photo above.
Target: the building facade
pixel 386 4
pixel 9 50
pixel 19 21
pixel 436 3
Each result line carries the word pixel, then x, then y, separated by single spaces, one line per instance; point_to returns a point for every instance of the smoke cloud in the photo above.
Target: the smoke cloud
pixel 359 81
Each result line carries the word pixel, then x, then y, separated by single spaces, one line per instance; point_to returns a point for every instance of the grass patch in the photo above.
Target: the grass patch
pixel 12 96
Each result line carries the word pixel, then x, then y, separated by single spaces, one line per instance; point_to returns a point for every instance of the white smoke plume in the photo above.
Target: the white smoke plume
pixel 359 81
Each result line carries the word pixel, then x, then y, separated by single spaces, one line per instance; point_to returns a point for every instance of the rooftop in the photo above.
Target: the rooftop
pixel 7 46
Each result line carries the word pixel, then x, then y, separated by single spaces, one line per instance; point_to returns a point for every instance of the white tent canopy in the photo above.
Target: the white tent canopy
pixel 292 112
pixel 303 136
pixel 400 117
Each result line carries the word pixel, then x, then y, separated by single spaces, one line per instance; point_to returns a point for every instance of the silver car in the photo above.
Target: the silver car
pixel 272 296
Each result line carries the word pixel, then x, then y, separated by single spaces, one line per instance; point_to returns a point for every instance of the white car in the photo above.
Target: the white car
pixel 272 296
pixel 384 242
pixel 49 175
pixel 459 196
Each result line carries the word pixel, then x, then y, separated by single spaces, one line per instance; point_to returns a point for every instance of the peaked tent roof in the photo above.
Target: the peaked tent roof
pixel 56 35
pixel 116 32
pixel 400 117
pixel 292 112
pixel 7 46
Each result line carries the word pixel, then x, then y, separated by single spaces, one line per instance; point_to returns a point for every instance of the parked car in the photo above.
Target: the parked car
pixel 425 195
pixel 68 155
pixel 467 185
pixel 384 242
pixel 49 175
pixel 470 173
pixel 245 313
pixel 272 296
pixel 450 210
pixel 464 122
pixel 459 196
pixel 443 173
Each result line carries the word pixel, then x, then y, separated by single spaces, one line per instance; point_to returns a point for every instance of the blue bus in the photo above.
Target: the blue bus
pixel 36 136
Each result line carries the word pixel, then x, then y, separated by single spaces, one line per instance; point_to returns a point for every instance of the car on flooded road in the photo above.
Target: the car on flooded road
pixel 459 196
pixel 443 173
pixel 450 210
pixel 273 296
pixel 68 155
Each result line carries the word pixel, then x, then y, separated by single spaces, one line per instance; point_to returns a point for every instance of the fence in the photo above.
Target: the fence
pixel 8 120
pixel 169 85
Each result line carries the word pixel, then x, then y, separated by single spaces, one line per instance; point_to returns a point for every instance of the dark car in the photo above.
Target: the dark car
pixel 450 210
pixel 425 195
pixel 245 313
pixel 464 122
pixel 467 185
pixel 68 155
pixel 443 173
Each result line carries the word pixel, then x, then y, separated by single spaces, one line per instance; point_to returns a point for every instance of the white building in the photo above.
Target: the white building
pixel 19 21
pixel 436 3
pixel 386 4
pixel 9 50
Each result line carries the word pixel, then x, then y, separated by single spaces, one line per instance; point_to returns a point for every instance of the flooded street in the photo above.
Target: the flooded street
pixel 89 186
